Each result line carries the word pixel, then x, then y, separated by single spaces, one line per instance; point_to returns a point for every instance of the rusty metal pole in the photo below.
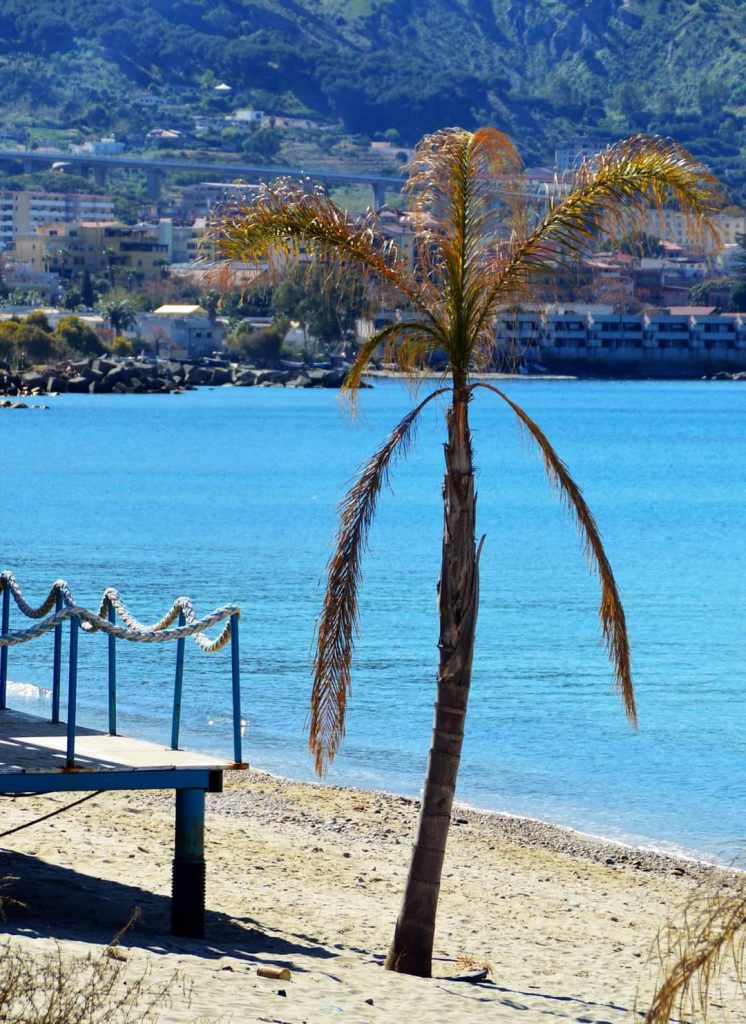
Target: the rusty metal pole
pixel 188 889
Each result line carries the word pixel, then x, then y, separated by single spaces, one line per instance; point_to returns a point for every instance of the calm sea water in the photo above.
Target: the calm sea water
pixel 229 495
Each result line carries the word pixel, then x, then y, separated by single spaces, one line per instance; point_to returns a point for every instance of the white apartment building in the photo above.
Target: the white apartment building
pixel 21 213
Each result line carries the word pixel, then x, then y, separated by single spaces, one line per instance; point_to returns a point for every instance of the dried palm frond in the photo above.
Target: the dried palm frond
pixel 611 612
pixel 609 196
pixel 285 224
pixel 402 340
pixel 339 616
pixel 695 952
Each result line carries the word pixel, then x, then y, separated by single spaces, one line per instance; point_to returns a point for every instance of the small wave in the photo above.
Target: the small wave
pixel 29 691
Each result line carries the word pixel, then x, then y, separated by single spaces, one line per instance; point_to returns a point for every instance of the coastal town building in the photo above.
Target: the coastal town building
pixel 112 248
pixel 181 331
pixel 21 213
pixel 677 341
pixel 108 146
pixel 206 197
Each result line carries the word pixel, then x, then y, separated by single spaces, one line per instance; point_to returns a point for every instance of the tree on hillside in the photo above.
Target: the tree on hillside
pixel 467 267
pixel 87 294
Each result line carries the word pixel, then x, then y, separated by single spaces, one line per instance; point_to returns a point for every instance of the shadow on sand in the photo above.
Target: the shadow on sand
pixel 61 903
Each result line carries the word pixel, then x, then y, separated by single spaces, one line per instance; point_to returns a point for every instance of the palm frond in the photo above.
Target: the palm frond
pixel 611 612
pixel 694 953
pixel 339 616
pixel 284 224
pixel 391 335
pixel 460 190
pixel 610 196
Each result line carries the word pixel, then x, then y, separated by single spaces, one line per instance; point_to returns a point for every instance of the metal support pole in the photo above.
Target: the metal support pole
pixel 176 717
pixel 188 887
pixel 57 663
pixel 236 676
pixel 112 675
pixel 72 691
pixel 4 650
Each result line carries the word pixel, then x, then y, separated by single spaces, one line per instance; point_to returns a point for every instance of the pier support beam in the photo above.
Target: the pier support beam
pixel 188 891
pixel 379 196
pixel 154 183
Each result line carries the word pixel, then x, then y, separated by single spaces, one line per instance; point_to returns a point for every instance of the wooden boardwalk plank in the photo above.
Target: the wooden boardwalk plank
pixel 31 744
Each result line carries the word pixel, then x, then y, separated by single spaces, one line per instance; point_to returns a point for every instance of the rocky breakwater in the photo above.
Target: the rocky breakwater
pixel 140 377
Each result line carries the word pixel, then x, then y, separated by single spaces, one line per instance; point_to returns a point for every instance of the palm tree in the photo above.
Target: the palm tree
pixel 479 248
pixel 119 315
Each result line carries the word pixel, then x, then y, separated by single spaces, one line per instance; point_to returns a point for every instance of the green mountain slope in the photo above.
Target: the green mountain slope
pixel 542 69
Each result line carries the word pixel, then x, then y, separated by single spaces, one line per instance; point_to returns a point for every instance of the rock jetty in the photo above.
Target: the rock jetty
pixel 142 377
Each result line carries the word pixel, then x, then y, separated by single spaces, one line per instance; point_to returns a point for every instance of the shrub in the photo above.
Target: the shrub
pixel 261 347
pixel 122 347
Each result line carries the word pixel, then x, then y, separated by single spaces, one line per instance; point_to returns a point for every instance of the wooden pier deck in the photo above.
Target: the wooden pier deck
pixel 31 745
pixel 33 759
pixel 46 756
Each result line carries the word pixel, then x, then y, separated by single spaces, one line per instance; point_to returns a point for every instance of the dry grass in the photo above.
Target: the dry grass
pixel 695 955
pixel 56 989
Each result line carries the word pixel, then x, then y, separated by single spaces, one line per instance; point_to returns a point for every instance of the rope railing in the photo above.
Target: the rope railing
pixel 66 609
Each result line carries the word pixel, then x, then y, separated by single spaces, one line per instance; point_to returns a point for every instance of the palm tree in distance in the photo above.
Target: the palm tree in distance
pixel 464 189
pixel 118 314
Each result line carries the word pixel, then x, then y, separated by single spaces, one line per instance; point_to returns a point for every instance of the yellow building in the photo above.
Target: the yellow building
pixel 119 250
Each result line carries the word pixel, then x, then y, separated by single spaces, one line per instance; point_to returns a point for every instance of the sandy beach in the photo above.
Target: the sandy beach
pixel 310 877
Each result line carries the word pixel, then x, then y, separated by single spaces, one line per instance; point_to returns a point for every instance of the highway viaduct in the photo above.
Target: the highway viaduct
pixel 99 167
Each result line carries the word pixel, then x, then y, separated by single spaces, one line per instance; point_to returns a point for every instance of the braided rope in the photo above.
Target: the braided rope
pixel 94 622
pixel 7 579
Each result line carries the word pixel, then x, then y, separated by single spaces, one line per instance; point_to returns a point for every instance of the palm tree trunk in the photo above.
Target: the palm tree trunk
pixel 458 596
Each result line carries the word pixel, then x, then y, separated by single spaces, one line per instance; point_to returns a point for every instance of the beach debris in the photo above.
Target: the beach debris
pixel 474 977
pixel 472 970
pixel 275 973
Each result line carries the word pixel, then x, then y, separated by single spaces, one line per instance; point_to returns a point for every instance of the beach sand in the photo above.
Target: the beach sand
pixel 310 877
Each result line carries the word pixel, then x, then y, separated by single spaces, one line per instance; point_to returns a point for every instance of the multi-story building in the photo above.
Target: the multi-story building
pixel 118 250
pixel 21 213
pixel 202 199
pixel 680 341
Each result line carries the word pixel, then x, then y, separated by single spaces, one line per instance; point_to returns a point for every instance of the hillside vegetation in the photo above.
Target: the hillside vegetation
pixel 542 69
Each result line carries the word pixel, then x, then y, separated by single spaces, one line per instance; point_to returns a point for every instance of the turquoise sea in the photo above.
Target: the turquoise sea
pixel 230 495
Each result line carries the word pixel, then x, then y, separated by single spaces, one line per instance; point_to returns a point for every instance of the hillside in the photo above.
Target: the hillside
pixel 542 69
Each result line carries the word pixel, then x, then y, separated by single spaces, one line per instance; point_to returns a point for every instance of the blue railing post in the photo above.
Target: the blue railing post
pixel 112 675
pixel 4 650
pixel 236 678
pixel 176 718
pixel 72 691
pixel 57 663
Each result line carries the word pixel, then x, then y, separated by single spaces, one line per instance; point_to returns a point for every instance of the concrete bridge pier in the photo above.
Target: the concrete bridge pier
pixel 379 196
pixel 154 183
pixel 100 175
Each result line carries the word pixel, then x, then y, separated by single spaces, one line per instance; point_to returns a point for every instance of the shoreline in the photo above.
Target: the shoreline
pixel 520 828
pixel 538 833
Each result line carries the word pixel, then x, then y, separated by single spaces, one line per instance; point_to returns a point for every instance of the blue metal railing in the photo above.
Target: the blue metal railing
pixel 105 621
